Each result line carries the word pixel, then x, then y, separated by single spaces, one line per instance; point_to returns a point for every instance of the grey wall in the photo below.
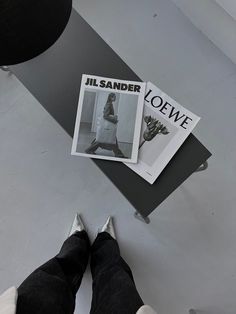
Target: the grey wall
pixel 127 110
pixel 88 107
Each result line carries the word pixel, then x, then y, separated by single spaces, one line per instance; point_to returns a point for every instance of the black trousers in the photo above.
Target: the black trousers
pixel 51 289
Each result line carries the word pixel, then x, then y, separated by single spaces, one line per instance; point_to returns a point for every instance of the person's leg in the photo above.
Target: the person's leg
pixel 51 288
pixel 73 258
pixel 93 147
pixel 116 150
pixel 114 290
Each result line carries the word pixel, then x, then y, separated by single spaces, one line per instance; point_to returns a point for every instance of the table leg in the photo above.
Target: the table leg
pixel 138 216
pixel 203 167
pixel 5 68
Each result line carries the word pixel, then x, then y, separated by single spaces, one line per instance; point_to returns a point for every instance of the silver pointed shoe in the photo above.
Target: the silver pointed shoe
pixel 108 227
pixel 77 225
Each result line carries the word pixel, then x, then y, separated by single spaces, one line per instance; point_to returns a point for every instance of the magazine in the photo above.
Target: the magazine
pixel 109 119
pixel 166 125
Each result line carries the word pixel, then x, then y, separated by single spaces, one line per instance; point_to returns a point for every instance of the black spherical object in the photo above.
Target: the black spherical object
pixel 29 27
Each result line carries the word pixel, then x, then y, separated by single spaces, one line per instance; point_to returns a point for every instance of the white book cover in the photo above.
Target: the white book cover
pixel 166 125
pixel 109 119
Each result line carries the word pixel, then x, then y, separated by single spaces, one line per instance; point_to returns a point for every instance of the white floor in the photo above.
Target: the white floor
pixel 186 257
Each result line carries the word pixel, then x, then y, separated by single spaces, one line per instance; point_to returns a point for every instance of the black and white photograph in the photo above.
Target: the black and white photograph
pixel 155 135
pixel 109 119
pixel 165 126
